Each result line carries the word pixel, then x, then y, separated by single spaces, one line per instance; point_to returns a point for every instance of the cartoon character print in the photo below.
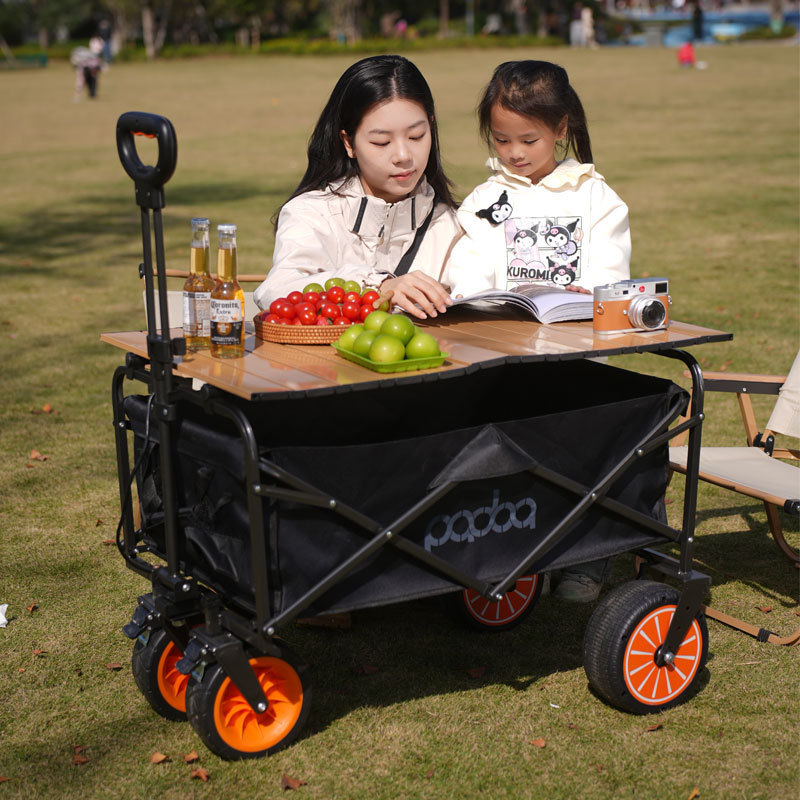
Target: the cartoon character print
pixel 543 250
pixel 497 212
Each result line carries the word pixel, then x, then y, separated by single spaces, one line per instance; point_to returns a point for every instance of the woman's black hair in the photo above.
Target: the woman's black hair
pixel 366 83
pixel 540 90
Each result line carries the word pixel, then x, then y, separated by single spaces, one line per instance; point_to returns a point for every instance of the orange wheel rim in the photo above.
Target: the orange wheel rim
pixel 645 680
pixel 501 612
pixel 242 728
pixel 171 682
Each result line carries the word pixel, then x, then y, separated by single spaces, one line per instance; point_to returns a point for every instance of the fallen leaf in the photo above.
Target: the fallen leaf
pixel 3 780
pixel 37 456
pixel 108 541
pixel 159 758
pixel 365 669
pixel 695 793
pixel 764 609
pixel 288 782
pixel 77 755
pixel 540 743
pixel 725 365
pixel 651 728
pixel 40 653
pixel 34 410
pixel 755 315
pixel 114 666
pixel 572 726
pixel 429 773
pixel 797 612
pixel 21 669
pixel 190 757
pixel 476 672
pixel 98 523
pixel 32 607
pixel 598 767
pixel 78 748
pixel 200 773
pixel 47 408
pixel 720 308
pixel 29 466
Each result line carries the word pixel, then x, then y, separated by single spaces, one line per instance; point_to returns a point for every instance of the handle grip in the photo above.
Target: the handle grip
pixel 148 180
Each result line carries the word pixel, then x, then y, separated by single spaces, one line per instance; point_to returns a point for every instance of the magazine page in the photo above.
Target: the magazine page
pixel 545 303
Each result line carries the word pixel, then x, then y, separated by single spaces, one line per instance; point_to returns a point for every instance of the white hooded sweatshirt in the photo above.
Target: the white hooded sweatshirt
pixel 571 227
pixel 345 233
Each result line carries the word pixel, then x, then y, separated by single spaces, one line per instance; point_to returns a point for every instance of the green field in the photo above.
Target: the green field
pixel 708 164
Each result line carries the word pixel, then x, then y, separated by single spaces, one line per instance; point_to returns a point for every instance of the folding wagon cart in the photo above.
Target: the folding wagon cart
pixel 517 456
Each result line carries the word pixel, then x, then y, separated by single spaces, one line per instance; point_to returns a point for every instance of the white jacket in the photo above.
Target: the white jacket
pixel 571 227
pixel 357 237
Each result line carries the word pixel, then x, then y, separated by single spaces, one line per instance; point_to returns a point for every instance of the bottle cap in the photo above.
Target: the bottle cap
pixel 226 229
pixel 200 222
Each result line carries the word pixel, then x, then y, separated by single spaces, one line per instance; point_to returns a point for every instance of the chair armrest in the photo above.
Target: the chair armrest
pixel 742 383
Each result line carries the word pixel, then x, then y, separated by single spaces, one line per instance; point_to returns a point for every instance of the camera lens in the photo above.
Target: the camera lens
pixel 647 312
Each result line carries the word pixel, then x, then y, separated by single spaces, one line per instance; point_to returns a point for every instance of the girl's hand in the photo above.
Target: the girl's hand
pixel 418 294
pixel 579 289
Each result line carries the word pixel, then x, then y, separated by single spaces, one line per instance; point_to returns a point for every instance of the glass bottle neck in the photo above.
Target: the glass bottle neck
pixel 226 262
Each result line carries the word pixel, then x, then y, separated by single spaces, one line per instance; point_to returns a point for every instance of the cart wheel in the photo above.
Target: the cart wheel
pixel 622 639
pixel 153 664
pixel 228 726
pixel 483 614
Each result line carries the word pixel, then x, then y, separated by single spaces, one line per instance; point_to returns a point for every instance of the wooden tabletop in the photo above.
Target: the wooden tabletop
pixel 471 338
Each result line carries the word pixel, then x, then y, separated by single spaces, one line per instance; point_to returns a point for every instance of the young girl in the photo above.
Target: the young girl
pixel 374 200
pixel 538 219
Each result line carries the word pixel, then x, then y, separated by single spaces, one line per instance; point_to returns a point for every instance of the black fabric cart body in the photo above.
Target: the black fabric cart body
pixel 338 499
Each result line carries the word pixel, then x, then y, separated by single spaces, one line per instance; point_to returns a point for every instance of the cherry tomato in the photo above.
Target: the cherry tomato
pixel 303 306
pixel 286 310
pixel 297 321
pixel 283 321
pixel 351 310
pixel 323 296
pixel 336 294
pixel 273 306
pixel 271 318
pixel 330 310
pixel 312 297
pixel 294 297
pixel 323 321
pixel 365 311
pixel 308 316
pixel 341 321
pixel 352 297
pixel 368 298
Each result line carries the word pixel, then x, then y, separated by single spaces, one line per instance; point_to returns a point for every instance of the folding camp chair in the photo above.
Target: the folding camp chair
pixel 756 470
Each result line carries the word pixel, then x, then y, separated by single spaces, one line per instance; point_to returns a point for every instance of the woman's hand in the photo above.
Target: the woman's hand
pixel 418 294
pixel 579 289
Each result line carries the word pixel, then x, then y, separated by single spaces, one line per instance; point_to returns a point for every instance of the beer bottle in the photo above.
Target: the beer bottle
pixel 227 300
pixel 197 290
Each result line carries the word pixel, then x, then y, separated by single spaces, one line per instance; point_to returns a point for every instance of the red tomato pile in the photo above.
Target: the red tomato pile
pixel 333 306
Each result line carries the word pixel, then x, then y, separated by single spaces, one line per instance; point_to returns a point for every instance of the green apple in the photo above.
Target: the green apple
pixel 313 287
pixel 400 327
pixel 363 343
pixel 348 338
pixel 422 345
pixel 386 349
pixel 333 282
pixel 375 320
pixel 352 286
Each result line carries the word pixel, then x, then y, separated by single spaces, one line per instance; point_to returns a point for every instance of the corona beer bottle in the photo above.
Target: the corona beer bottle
pixel 197 290
pixel 227 300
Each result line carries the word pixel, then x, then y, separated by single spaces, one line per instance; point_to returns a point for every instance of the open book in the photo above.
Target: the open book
pixel 543 303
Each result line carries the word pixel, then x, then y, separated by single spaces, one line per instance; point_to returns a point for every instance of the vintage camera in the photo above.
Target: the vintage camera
pixel 635 305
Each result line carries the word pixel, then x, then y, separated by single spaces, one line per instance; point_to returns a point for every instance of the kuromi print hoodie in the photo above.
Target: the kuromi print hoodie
pixel 570 228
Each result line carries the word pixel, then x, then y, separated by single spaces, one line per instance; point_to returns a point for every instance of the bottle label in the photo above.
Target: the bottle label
pixel 197 314
pixel 227 322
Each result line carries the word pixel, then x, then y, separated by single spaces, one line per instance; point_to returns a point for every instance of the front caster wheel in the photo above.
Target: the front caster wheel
pixel 480 613
pixel 153 664
pixel 228 726
pixel 620 645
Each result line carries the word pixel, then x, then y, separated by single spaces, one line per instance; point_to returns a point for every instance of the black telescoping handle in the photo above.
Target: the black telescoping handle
pixel 149 181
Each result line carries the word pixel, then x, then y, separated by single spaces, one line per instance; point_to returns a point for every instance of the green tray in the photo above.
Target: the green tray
pixel 406 365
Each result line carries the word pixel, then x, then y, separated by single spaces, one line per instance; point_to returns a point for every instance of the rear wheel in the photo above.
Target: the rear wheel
pixel 621 643
pixel 227 724
pixel 153 664
pixel 481 613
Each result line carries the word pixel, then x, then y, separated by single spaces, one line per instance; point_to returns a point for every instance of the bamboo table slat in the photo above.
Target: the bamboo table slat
pixel 473 339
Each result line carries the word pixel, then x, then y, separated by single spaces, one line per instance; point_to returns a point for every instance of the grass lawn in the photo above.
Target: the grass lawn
pixel 708 164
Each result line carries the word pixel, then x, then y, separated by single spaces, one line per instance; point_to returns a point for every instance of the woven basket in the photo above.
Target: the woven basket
pixel 298 334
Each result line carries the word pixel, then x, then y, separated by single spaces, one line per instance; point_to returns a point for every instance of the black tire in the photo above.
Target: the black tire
pixel 153 666
pixel 223 719
pixel 620 642
pixel 481 614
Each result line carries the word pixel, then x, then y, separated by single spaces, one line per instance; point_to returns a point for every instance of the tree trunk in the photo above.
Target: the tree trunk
pixel 44 38
pixel 444 17
pixel 344 20
pixel 148 31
